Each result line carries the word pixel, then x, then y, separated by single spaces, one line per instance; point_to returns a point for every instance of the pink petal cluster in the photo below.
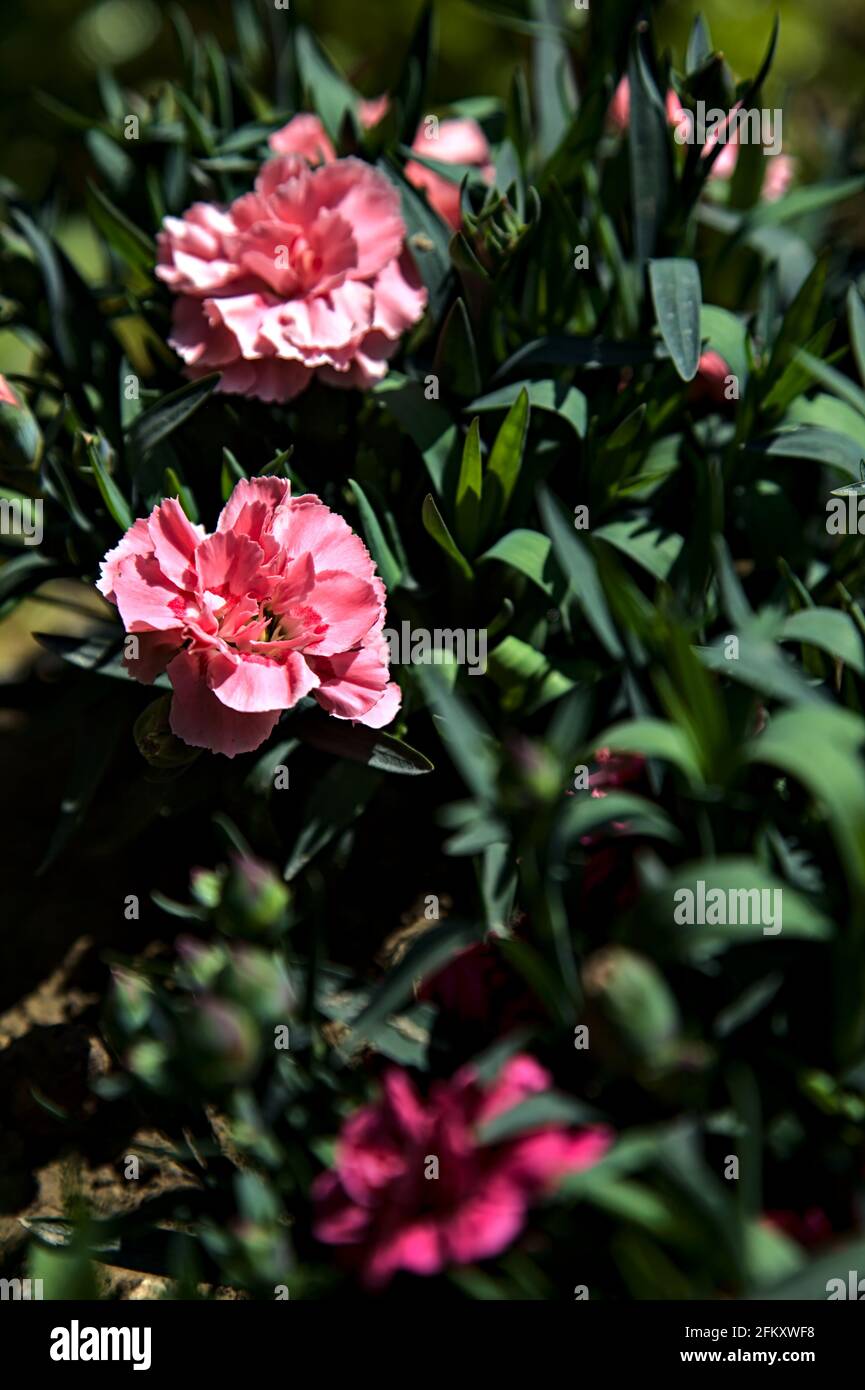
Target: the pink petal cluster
pixel 306 276
pixel 449 142
pixel 281 601
pixel 779 173
pixel 378 1201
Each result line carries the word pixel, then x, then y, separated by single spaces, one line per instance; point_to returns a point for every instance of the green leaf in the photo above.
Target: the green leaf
pixel 468 499
pixel 812 1282
pixel 584 814
pixel 373 747
pixel 386 562
pixel 464 734
pixel 153 426
pixel 727 335
pixel 428 239
pixel 526 675
pixel 654 738
pixel 339 797
pixel 837 451
pixel 555 94
pixel 804 202
pixel 834 381
pixel 830 630
pixel 456 359
pixel 648 153
pixel 856 320
pixel 822 748
pixel 566 401
pixel 579 568
pixel 677 296
pixel 130 243
pixel 410 90
pixel 531 554
pixel 656 550
pixel 113 498
pixel 426 422
pixel 332 97
pixel 505 462
pixel 435 527
pixel 28 570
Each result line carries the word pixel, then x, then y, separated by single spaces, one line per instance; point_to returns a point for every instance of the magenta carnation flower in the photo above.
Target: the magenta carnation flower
pixel 306 276
pixel 281 601
pixel 379 1201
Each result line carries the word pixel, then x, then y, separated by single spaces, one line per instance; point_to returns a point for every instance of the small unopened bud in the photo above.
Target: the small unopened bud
pixel 259 981
pixel 254 900
pixel 630 1009
pixel 154 738
pixel 221 1044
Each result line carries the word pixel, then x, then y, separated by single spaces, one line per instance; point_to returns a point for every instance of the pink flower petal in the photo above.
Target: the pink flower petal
pixel 203 721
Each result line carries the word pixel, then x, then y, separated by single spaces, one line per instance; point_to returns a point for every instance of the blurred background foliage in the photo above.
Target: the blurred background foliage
pixel 59 46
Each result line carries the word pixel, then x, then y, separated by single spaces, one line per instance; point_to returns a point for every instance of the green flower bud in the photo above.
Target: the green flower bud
pixel 631 1012
pixel 221 1044
pixel 254 900
pixel 259 980
pixel 155 741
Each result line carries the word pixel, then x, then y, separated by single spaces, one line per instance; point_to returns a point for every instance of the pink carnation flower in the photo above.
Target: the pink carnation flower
pixel 378 1201
pixel 306 276
pixel 281 601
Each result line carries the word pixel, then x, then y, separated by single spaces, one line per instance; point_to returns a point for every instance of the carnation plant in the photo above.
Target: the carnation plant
pixel 440 526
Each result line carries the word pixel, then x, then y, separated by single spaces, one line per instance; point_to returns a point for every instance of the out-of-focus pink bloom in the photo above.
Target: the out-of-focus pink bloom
pixel 378 1201
pixel 710 383
pixel 451 142
pixel 306 276
pixel 620 107
pixel 810 1228
pixel 478 986
pixel 614 770
pixel 306 136
pixel 372 110
pixel 778 177
pixel 281 601
pixel 7 395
